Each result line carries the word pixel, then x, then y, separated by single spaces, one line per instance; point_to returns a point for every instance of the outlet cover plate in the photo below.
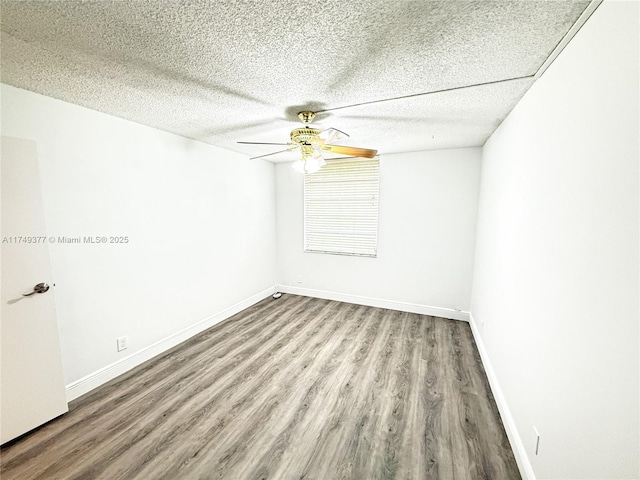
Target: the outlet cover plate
pixel 122 343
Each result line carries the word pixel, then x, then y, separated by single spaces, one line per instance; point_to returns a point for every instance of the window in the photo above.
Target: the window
pixel 341 207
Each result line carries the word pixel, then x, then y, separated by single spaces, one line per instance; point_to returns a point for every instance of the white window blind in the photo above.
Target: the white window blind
pixel 341 207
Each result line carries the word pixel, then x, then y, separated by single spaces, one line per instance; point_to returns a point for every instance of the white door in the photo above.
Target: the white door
pixel 31 380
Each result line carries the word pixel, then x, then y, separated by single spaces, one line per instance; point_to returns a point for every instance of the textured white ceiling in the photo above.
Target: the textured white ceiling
pixel 228 71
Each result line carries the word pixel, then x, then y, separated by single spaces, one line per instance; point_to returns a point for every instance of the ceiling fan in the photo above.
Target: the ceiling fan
pixel 312 142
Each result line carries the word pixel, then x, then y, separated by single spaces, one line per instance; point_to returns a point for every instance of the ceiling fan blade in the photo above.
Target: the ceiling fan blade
pixel 331 135
pixel 274 153
pixel 493 82
pixel 262 143
pixel 352 151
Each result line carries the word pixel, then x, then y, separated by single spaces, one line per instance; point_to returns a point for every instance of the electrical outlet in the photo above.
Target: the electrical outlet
pixel 299 279
pixel 122 343
pixel 536 439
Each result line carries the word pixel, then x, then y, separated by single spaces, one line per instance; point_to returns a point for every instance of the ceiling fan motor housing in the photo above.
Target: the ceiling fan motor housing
pixel 304 135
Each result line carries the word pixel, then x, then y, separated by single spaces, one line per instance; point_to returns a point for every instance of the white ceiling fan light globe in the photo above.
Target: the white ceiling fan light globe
pixel 298 166
pixel 318 157
pixel 312 165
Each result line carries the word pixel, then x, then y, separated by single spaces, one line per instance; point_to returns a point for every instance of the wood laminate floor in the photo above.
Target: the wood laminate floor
pixel 295 388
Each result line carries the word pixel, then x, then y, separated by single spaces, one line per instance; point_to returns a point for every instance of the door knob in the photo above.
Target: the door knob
pixel 39 288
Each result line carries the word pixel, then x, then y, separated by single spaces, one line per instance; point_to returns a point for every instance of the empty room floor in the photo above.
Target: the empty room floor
pixel 294 388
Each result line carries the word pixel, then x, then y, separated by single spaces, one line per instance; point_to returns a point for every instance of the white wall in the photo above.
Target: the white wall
pixel 427 221
pixel 200 220
pixel 557 258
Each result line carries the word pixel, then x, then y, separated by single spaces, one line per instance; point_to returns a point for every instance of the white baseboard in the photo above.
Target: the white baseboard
pixel 522 459
pixel 377 302
pixel 93 380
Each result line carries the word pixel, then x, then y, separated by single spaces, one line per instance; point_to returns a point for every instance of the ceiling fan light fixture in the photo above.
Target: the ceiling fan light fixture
pixel 308 165
pixel 298 166
pixel 311 165
pixel 311 161
pixel 317 155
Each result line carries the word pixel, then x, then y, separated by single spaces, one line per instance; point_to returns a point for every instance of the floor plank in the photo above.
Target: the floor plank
pixel 294 388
